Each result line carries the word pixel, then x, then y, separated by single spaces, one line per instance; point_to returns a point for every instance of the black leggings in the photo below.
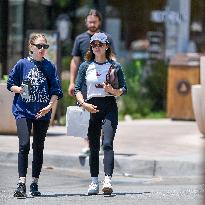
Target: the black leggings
pixel 40 128
pixel 107 120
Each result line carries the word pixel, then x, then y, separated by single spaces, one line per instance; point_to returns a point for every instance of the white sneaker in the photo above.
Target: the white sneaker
pixel 85 151
pixel 107 187
pixel 93 188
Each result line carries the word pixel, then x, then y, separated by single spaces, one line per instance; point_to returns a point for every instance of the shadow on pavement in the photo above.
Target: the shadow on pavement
pixel 61 195
pixel 77 194
pixel 56 134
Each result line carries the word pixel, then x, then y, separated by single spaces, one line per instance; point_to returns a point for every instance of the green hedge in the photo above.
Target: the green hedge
pixel 146 91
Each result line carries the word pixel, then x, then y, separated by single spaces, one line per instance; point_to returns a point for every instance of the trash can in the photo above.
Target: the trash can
pixel 183 72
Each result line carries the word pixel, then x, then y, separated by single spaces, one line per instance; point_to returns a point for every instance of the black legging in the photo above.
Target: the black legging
pixel 107 120
pixel 40 128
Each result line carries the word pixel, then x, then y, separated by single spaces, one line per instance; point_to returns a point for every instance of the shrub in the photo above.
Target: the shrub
pixel 135 102
pixel 156 85
pixel 146 90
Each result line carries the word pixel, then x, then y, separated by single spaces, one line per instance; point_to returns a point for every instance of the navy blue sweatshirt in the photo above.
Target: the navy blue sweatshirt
pixel 44 83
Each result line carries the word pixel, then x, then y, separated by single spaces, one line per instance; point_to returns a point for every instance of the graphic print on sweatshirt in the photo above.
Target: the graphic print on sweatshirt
pixel 39 87
pixel 98 74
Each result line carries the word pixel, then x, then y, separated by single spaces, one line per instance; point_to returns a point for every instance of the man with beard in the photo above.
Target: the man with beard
pixel 93 22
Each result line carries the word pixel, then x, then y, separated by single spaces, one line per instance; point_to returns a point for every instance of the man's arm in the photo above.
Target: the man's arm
pixel 75 62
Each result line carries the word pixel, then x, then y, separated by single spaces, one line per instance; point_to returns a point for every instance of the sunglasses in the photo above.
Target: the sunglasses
pixel 39 46
pixel 99 45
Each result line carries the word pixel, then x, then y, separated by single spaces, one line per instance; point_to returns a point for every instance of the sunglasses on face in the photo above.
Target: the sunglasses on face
pixel 39 46
pixel 99 45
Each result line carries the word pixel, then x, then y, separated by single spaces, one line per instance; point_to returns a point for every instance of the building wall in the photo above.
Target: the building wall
pixel 135 16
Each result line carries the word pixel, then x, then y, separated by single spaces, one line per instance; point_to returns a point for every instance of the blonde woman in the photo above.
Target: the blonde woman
pixel 36 85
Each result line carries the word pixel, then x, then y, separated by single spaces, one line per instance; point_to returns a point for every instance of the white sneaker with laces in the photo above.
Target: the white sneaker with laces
pixel 107 187
pixel 93 188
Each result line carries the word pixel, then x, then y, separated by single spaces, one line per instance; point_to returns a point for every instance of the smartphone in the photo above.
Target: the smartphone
pixel 26 89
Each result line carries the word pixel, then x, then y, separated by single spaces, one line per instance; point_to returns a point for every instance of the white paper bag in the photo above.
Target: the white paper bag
pixel 77 121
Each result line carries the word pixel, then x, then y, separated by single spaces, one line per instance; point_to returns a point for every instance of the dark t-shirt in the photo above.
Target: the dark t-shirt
pixel 82 42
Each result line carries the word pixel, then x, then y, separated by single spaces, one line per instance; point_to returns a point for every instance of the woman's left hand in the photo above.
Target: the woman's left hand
pixel 43 112
pixel 108 88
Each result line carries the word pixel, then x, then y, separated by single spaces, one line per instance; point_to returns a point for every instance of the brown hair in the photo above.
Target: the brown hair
pixel 91 56
pixel 33 37
pixel 94 12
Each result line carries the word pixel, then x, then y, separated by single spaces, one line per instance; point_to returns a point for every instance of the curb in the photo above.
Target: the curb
pixel 125 165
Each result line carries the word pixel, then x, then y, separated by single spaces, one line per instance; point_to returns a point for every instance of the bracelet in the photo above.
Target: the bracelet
pixel 82 103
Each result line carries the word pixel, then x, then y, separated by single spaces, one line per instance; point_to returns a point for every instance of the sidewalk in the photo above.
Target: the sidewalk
pixel 142 147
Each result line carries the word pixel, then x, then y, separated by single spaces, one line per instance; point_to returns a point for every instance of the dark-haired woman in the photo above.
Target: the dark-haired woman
pixel 101 103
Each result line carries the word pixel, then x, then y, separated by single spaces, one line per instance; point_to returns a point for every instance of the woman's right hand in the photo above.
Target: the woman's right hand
pixel 90 107
pixel 17 89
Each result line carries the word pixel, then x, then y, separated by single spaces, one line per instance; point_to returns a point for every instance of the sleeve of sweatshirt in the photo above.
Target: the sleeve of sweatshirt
pixel 121 79
pixel 14 77
pixel 80 80
pixel 55 84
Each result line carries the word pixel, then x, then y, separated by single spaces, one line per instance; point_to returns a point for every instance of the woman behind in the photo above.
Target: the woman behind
pixel 101 104
pixel 36 85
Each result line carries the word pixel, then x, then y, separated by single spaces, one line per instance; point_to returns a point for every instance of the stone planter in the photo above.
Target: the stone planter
pixel 198 96
pixel 7 121
pixel 199 107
